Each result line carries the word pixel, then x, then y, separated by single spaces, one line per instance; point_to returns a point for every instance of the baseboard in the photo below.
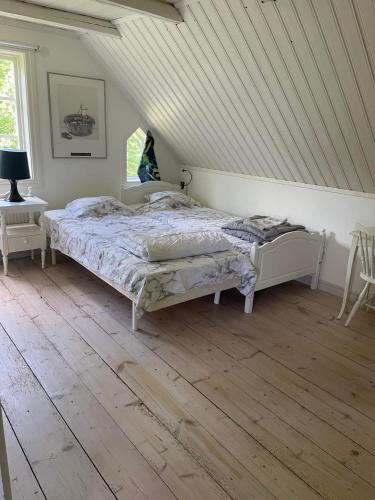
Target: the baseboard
pixel 325 286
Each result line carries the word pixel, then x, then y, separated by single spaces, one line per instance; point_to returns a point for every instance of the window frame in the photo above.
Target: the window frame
pixel 26 108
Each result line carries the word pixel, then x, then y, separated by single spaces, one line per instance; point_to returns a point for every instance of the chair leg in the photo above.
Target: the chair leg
pixel 358 303
pixel 368 297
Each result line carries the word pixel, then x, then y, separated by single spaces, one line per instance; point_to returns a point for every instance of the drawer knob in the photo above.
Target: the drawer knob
pixel 26 240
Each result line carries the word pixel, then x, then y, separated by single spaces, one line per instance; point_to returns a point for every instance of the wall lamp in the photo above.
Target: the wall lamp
pixel 184 184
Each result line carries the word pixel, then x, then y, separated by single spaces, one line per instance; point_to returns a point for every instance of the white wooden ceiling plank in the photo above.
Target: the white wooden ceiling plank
pixel 233 92
pixel 256 85
pixel 362 70
pixel 256 113
pixel 209 81
pixel 299 123
pixel 144 101
pixel 323 85
pixel 205 88
pixel 257 62
pixel 355 159
pixel 306 76
pixel 208 61
pixel 357 53
pixel 180 117
pixel 365 12
pixel 349 89
pixel 185 85
pixel 267 51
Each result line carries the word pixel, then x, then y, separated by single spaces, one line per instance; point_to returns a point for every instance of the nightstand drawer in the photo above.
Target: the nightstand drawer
pixel 25 243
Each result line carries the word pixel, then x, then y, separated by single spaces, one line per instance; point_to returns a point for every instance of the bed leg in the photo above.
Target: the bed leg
pixel 136 316
pixel 217 298
pixel 315 276
pixel 314 281
pixel 53 256
pixel 249 300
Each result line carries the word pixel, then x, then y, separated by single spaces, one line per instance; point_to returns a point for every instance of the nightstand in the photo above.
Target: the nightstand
pixel 24 236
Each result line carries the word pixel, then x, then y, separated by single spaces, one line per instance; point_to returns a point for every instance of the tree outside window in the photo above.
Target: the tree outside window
pixel 9 135
pixel 134 150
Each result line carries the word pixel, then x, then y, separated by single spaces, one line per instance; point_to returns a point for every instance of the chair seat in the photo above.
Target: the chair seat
pixel 367 277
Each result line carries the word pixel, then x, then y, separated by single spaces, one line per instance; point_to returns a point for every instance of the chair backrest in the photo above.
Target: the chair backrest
pixel 366 241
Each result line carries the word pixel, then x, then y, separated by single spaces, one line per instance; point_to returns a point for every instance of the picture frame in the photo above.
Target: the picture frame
pixel 77 108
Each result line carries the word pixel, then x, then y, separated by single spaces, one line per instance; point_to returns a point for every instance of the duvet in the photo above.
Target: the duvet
pixel 102 244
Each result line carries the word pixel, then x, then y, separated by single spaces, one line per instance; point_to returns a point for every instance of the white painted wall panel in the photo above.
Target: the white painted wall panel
pixel 318 208
pixel 282 90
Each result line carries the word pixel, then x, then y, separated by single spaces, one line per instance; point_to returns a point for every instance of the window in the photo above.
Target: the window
pixel 134 149
pixel 14 103
pixel 9 116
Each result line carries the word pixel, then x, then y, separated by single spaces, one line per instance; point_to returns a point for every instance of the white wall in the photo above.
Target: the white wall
pixel 316 208
pixel 63 180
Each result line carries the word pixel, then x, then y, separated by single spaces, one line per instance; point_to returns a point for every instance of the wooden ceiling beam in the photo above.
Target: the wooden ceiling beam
pixel 153 8
pixel 57 18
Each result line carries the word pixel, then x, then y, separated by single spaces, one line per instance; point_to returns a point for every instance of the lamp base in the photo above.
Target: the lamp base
pixel 14 195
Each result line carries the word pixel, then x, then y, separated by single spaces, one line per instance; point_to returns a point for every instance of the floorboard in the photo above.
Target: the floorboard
pixel 24 484
pixel 204 402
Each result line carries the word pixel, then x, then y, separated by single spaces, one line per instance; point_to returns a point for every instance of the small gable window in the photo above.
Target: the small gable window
pixel 134 149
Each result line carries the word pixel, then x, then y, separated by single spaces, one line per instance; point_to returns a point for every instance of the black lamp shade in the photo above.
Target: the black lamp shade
pixel 14 165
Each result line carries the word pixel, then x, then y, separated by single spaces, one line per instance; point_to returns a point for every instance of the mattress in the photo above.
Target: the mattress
pixel 99 244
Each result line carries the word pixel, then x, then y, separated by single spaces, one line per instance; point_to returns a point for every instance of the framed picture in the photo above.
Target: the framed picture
pixel 77 114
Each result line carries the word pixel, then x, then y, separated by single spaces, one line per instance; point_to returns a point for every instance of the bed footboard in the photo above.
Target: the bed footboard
pixel 289 257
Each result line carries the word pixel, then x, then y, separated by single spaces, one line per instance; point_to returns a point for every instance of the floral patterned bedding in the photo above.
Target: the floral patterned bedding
pixel 99 244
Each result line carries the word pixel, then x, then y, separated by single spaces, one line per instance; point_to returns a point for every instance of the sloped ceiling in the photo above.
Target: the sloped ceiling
pixel 283 89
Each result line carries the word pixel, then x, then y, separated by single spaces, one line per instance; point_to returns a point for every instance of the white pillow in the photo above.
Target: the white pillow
pixel 97 206
pixel 173 199
pixel 176 246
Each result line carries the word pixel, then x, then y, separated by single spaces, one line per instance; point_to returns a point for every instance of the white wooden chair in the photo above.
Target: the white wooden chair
pixel 4 461
pixel 366 243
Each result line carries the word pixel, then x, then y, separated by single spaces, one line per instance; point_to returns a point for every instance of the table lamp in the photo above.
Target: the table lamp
pixel 14 166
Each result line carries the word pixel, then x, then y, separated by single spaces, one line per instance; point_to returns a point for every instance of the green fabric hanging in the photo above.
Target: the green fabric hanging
pixel 148 169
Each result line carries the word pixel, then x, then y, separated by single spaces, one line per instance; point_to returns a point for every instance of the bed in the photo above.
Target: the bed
pixel 101 245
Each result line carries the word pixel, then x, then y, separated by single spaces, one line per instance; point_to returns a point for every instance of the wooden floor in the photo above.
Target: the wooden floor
pixel 203 403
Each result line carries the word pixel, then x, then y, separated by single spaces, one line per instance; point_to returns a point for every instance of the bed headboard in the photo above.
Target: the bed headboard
pixel 136 194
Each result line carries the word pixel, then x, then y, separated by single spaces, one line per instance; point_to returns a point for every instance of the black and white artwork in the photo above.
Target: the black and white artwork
pixel 77 111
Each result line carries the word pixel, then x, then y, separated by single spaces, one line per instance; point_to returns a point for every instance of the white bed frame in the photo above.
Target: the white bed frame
pixel 290 256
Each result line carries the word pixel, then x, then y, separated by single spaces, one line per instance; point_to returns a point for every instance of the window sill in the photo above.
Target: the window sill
pixel 22 185
pixel 131 182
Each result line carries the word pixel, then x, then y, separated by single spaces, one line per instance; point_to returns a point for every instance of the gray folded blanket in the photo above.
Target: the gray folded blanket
pixel 260 228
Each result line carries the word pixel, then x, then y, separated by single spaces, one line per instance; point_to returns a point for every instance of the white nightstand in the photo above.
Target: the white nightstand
pixel 25 236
